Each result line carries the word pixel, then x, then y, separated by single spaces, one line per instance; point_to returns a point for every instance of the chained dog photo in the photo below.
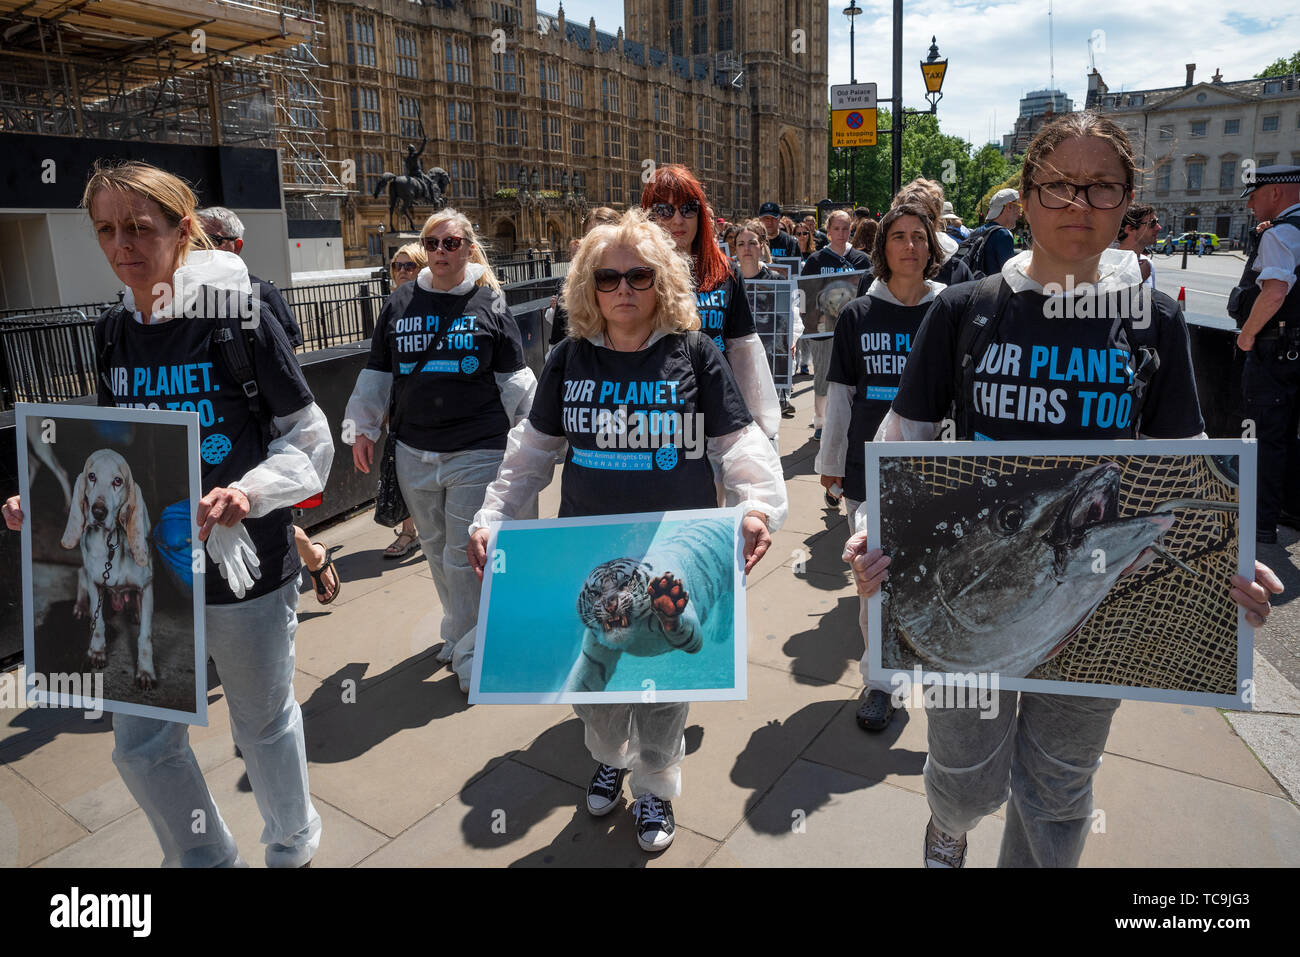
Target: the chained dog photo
pixel 618 608
pixel 111 601
pixel 1087 568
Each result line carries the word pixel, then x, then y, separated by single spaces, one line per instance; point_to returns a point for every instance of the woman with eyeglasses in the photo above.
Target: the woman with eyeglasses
pixel 675 200
pixel 1138 231
pixel 407 263
pixel 447 369
pixel 633 319
pixel 1042 750
pixel 803 235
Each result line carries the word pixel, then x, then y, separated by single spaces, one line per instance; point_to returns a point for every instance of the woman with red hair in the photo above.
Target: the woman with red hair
pixel 675 200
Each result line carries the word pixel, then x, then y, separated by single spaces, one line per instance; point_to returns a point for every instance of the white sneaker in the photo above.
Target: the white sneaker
pixel 943 850
pixel 654 822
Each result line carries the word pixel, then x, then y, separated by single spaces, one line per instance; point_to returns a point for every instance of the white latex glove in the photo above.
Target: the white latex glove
pixel 236 558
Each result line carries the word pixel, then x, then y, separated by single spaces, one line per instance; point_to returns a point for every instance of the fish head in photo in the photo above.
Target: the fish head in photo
pixel 1015 565
pixel 613 599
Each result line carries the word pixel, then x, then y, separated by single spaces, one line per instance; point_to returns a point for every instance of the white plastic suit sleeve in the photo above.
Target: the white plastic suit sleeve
pixel 749 365
pixel 517 390
pixel 368 405
pixel 297 463
pixel 895 428
pixel 525 470
pixel 750 471
pixel 796 322
pixel 231 550
pixel 835 433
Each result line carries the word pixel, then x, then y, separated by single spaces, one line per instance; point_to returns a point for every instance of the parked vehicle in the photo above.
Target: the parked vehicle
pixel 1169 244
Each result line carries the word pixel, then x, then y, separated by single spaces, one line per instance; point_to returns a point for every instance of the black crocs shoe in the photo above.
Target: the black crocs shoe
pixel 604 790
pixel 876 712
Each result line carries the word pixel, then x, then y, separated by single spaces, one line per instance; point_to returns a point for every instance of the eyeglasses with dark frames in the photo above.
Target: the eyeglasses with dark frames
pixel 689 210
pixel 1059 195
pixel 218 240
pixel 639 278
pixel 405 267
pixel 449 243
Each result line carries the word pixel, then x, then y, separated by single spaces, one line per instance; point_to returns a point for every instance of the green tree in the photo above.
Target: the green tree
pixel 1281 67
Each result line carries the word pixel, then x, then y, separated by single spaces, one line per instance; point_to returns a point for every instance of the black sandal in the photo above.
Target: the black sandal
pixel 316 575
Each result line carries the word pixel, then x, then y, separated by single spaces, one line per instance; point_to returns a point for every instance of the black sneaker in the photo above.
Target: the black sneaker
pixel 787 408
pixel 877 711
pixel 605 787
pixel 654 822
pixel 943 850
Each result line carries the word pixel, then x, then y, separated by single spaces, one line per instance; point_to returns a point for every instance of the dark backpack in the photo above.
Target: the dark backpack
pixel 230 341
pixel 978 325
pixel 971 250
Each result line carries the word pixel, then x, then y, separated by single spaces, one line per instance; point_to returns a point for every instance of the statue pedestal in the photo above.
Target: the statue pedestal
pixel 392 242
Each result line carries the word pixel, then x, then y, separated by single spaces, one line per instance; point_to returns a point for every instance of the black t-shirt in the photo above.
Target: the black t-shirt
pixel 454 402
pixel 872 340
pixel 171 365
pixel 954 271
pixel 559 324
pixel 783 244
pixel 1048 377
pixel 579 394
pixel 724 311
pixel 826 261
pixel 279 308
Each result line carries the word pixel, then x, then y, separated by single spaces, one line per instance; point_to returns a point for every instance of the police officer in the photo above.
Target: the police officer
pixel 1266 306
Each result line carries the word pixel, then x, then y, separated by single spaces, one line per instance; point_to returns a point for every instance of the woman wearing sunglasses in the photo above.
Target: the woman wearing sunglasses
pixel 675 200
pixel 803 235
pixel 632 312
pixel 1042 750
pixel 447 353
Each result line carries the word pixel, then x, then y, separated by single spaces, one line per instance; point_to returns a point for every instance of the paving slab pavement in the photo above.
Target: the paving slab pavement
pixel 405 772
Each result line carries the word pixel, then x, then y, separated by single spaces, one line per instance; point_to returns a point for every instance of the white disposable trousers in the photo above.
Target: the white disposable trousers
pixel 443 490
pixel 252 645
pixel 648 738
pixel 884 686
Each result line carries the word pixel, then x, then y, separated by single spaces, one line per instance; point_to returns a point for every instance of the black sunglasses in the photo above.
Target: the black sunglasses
pixel 689 210
pixel 218 240
pixel 405 267
pixel 449 243
pixel 639 278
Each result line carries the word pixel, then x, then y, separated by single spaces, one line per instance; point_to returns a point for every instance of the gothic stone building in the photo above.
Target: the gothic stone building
pixel 500 88
pixel 1194 141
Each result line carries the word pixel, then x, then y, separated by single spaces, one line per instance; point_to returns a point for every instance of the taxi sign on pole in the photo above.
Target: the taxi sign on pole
pixel 853 114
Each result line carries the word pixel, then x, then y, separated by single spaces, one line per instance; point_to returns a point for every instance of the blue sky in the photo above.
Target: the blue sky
pixel 997 51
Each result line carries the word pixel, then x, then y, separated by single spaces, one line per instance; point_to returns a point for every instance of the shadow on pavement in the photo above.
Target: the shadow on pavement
pixel 806 793
pixel 826 652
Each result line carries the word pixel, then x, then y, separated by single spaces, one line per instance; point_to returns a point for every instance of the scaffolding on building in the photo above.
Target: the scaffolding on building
pixel 202 72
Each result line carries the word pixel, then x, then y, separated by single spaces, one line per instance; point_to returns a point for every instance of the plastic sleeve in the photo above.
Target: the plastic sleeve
pixel 750 471
pixel 526 469
pixel 297 464
pixel 517 391
pixel 748 361
pixel 835 432
pixel 368 405
pixel 796 321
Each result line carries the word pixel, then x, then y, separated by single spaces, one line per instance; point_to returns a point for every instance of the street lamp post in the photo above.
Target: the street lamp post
pixel 933 69
pixel 852 11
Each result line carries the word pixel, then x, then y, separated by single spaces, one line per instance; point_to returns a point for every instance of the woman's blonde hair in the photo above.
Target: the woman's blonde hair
pixel 675 307
pixel 171 194
pixel 597 216
pixel 461 222
pixel 416 253
pixel 839 214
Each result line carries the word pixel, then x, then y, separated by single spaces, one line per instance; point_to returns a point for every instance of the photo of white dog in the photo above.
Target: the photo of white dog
pixel 109 519
pixel 111 594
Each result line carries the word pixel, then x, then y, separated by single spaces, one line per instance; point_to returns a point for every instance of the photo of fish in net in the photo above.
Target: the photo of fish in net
pixel 1056 572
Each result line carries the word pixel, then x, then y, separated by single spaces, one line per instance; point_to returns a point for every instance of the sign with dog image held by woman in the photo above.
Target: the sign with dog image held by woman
pixel 1098 568
pixel 113 602
pixel 646 607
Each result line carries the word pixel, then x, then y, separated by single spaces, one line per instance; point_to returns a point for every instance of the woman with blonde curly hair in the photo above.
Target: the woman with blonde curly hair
pixel 633 319
pixel 447 369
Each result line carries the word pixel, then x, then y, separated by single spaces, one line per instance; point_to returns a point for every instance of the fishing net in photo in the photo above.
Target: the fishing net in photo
pixel 1162 626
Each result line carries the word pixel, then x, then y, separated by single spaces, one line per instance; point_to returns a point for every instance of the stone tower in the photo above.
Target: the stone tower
pixel 780 45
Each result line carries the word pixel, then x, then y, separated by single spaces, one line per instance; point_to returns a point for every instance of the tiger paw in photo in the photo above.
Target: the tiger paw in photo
pixel 668 597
